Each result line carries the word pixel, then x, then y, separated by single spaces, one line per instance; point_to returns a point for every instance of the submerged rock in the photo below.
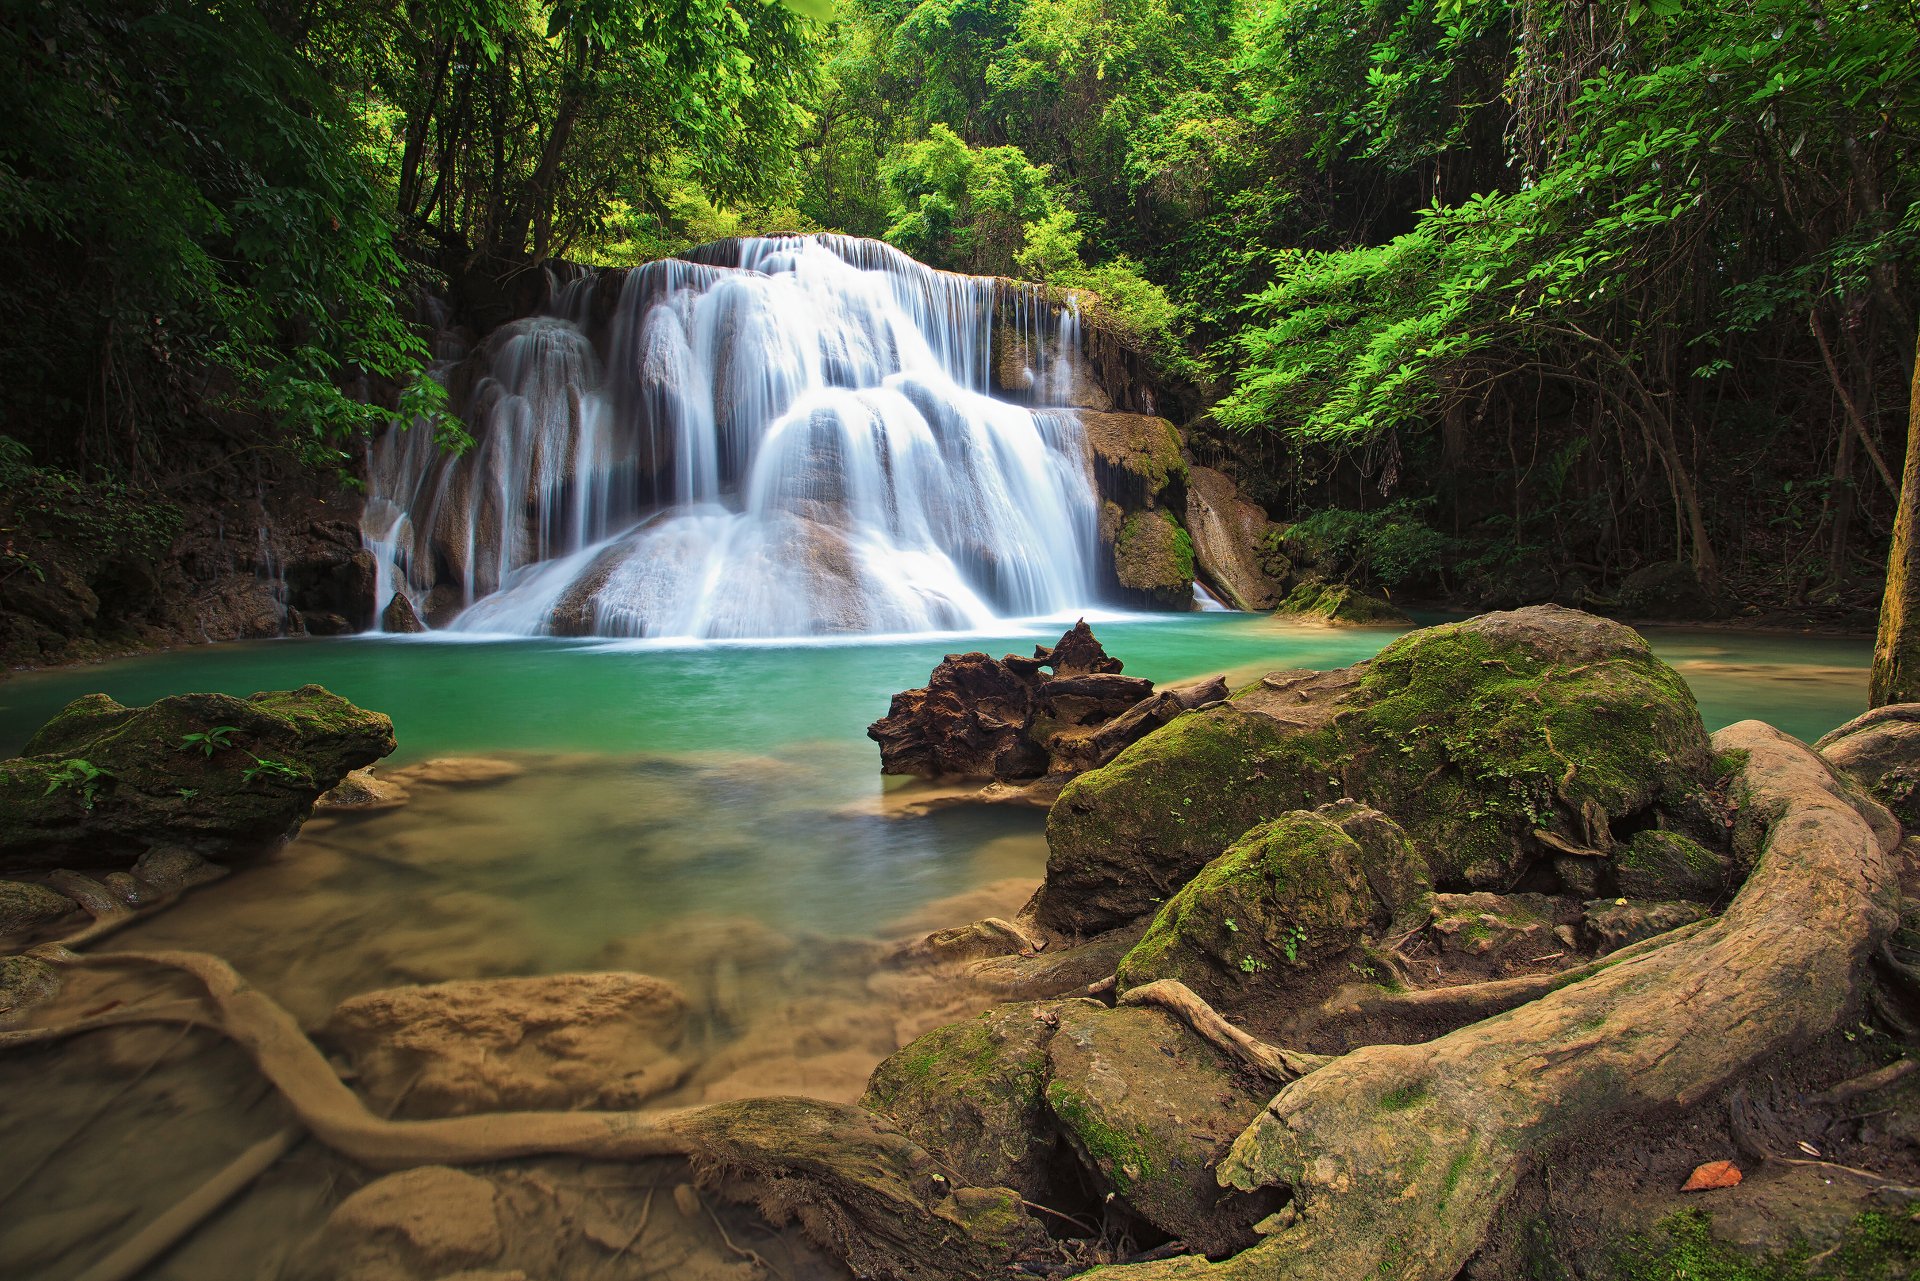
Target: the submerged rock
pixel 486 1045
pixel 100 784
pixel 436 1220
pixel 456 771
pixel 25 906
pixel 364 793
pixel 1288 895
pixel 1476 737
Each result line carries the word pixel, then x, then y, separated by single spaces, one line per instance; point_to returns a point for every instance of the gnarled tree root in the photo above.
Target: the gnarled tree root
pixel 856 1186
pixel 1399 1156
pixel 1176 998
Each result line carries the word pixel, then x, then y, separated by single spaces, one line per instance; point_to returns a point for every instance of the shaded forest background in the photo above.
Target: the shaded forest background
pixel 1494 301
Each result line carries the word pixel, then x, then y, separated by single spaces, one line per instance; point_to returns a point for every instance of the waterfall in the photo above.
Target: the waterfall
pixel 772 437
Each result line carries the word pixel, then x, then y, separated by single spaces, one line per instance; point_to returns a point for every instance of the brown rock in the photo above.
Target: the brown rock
pixel 438 1219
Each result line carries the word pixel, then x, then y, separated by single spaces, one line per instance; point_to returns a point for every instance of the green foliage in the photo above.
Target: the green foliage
pixel 83 778
pixel 965 208
pixel 1390 545
pixel 1875 1247
pixel 275 771
pixel 182 168
pixel 101 515
pixel 209 741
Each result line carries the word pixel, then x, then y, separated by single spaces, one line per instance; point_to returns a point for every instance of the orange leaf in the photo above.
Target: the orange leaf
pixel 1714 1174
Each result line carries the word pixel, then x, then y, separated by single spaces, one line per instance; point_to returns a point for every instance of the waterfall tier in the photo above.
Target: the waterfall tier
pixel 773 437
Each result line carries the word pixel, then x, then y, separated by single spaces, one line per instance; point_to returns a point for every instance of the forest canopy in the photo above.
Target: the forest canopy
pixel 1583 288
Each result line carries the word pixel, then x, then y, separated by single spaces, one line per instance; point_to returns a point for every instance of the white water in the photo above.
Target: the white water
pixel 800 444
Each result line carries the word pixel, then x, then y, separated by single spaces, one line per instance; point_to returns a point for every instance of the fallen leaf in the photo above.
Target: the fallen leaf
pixel 1714 1174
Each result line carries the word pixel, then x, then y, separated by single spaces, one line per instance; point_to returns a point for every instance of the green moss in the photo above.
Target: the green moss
pixel 1456 1169
pixel 1875 1247
pixel 1340 603
pixel 1153 554
pixel 1400 1100
pixel 1127 1159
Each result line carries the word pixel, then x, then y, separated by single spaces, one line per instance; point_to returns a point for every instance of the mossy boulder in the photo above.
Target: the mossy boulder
pixel 1289 895
pixel 1153 561
pixel 1481 923
pixel 975 1092
pixel 1668 865
pixel 226 777
pixel 1150 1109
pixel 1343 604
pixel 1882 751
pixel 1476 737
pixel 25 906
pixel 1136 459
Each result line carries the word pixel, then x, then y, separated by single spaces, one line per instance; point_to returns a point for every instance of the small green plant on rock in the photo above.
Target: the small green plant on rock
pixel 80 776
pixel 1291 940
pixel 276 771
pixel 207 742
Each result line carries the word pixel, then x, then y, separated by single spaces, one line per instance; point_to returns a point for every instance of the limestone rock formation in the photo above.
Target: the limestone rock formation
pixel 100 784
pixel 1228 530
pixel 559 1041
pixel 1495 743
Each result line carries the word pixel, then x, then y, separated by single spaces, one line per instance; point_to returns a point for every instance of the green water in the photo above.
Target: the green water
pixel 447 697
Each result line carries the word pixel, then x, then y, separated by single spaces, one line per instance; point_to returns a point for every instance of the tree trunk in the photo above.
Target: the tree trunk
pixel 1896 652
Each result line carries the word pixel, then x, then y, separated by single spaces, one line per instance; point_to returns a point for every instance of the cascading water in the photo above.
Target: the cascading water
pixel 784 437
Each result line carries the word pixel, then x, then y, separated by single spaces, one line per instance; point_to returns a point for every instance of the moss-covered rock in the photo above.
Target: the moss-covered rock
pixel 1473 736
pixel 1153 560
pixel 25 906
pixel 1136 458
pixel 25 982
pixel 1668 865
pixel 975 1092
pixel 101 783
pixel 1341 603
pixel 1150 1109
pixel 1480 923
pixel 1288 895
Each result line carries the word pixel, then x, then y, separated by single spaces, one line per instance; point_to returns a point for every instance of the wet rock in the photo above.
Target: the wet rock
pixel 1668 865
pixel 129 890
pixel 1341 603
pixel 101 784
pixel 172 868
pixel 437 1220
pixel 1289 895
pixel 1882 750
pixel 975 1093
pixel 484 1045
pixel 1481 923
pixel 363 792
pixel 25 982
pixel 1153 561
pixel 1612 924
pixel 1473 736
pixel 1230 534
pixel 25 906
pixel 1150 1109
pixel 400 618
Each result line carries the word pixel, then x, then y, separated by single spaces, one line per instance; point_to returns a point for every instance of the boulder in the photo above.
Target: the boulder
pixel 226 777
pixel 433 1220
pixel 362 792
pixel 1493 742
pixel 1153 561
pixel 1667 865
pixel 487 1045
pixel 25 982
pixel 1150 1109
pixel 1612 924
pixel 1481 923
pixel 1229 533
pixel 1291 894
pixel 25 906
pixel 172 868
pixel 400 617
pixel 975 1093
pixel 1882 750
pixel 1342 604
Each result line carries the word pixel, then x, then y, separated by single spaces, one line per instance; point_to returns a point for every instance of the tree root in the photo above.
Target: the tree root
pixel 1173 996
pixel 1398 1156
pixel 1867 1083
pixel 856 1186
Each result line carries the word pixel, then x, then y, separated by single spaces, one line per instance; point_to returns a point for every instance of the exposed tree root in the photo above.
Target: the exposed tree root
pixel 856 1186
pixel 1399 1156
pixel 1867 1083
pixel 1173 996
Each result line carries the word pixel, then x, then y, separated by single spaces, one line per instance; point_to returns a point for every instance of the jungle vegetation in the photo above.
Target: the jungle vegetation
pixel 1532 300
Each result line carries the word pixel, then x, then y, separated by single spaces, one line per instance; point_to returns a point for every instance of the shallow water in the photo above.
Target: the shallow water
pixel 704 814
